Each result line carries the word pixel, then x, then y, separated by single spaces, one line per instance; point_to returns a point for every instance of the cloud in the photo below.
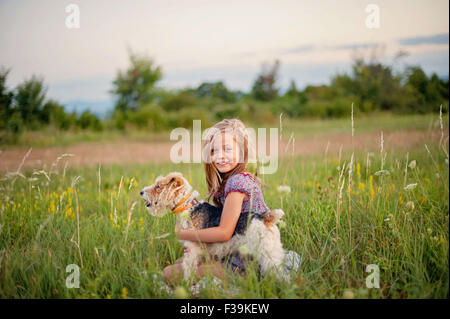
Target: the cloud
pixel 355 46
pixel 432 39
pixel 300 49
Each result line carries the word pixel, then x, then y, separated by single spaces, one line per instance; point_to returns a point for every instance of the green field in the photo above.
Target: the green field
pixel 87 216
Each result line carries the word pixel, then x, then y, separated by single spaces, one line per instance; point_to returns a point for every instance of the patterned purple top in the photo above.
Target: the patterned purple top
pixel 246 184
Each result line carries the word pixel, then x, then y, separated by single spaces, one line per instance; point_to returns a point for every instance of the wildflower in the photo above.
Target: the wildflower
pixel 243 250
pixel 124 293
pixel 283 189
pixel 348 294
pixel 361 187
pixel 372 191
pixel 410 205
pixel 180 293
pixel 358 170
pixel 412 165
pixel 108 297
pixel 382 172
pixel 141 220
pixel 410 186
pixel 185 214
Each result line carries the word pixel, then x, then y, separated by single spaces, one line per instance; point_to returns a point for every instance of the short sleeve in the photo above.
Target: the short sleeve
pixel 241 183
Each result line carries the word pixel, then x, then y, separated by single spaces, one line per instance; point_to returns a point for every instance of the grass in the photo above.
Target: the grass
pixel 302 128
pixel 87 216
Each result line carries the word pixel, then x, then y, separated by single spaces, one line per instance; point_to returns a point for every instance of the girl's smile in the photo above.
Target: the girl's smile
pixel 224 152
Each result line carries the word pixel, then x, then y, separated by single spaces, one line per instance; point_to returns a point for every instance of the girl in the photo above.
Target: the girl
pixel 230 187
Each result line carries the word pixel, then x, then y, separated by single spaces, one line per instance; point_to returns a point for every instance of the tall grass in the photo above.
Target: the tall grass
pixel 345 211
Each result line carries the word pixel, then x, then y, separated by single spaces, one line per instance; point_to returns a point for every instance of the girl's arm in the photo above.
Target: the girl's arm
pixel 223 232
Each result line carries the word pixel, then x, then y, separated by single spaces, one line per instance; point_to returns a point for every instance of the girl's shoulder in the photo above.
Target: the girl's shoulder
pixel 241 182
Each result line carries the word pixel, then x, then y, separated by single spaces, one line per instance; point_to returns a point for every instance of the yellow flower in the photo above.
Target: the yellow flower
pixel 361 187
pixel 124 293
pixel 358 170
pixel 108 297
pixel 372 191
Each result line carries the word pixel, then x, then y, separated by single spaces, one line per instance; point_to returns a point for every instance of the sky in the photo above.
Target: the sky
pixel 208 40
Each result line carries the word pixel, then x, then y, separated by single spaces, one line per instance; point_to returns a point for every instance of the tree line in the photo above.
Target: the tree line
pixel 141 104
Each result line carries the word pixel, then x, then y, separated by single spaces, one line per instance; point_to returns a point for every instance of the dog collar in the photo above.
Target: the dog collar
pixel 183 208
pixel 179 207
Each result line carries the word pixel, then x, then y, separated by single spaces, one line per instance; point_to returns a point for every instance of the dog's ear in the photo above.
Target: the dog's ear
pixel 176 180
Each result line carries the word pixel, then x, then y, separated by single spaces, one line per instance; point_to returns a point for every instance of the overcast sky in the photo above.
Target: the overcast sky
pixel 195 41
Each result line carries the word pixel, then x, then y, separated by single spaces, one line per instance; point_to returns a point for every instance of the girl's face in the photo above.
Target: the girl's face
pixel 224 152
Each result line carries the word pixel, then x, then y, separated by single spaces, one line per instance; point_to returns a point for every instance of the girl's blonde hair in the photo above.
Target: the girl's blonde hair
pixel 214 179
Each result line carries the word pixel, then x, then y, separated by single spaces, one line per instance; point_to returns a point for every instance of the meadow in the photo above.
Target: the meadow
pixel 345 210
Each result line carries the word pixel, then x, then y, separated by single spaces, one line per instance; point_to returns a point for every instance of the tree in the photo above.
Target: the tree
pixel 89 120
pixel 29 98
pixel 53 113
pixel 215 90
pixel 292 91
pixel 134 87
pixel 6 99
pixel 264 86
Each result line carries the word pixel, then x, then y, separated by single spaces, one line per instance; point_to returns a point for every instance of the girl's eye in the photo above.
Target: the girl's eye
pixel 213 150
pixel 228 149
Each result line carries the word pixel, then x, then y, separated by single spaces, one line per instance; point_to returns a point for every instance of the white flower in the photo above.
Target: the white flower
pixel 410 205
pixel 284 189
pixel 446 161
pixel 382 172
pixel 348 294
pixel 412 164
pixel 243 250
pixel 410 186
pixel 180 293
pixel 185 214
pixel 281 224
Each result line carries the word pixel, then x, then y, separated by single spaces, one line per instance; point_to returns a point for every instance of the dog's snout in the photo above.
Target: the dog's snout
pixel 142 193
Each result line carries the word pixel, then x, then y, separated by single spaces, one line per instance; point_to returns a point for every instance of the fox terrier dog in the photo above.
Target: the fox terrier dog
pixel 258 232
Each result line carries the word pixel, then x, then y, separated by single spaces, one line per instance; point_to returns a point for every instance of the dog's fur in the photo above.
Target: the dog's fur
pixel 262 236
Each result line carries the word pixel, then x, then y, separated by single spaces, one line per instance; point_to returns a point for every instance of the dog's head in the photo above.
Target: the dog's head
pixel 165 193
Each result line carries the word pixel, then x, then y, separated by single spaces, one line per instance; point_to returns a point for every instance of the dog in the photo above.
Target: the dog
pixel 259 233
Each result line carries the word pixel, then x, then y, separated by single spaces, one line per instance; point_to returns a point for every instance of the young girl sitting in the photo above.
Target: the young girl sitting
pixel 229 186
